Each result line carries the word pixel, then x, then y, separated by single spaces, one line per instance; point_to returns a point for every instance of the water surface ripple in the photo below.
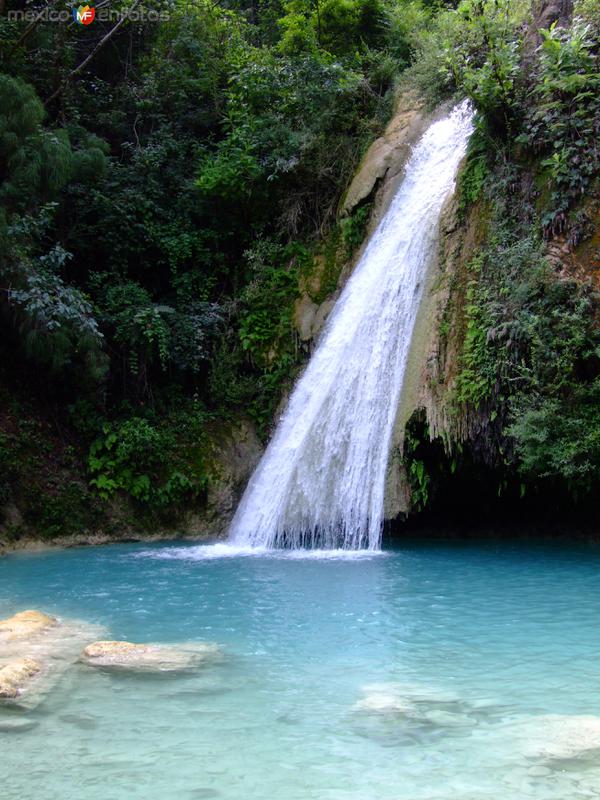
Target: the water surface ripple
pixel 425 673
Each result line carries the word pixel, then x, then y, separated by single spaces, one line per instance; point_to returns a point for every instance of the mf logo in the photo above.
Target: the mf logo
pixel 84 15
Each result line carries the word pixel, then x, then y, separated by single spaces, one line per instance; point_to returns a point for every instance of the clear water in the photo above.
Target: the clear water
pixel 321 481
pixel 478 637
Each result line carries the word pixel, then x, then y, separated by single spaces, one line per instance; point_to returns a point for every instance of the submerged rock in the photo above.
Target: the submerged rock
pixel 19 724
pixel 423 705
pixel 449 719
pixel 554 737
pixel 34 645
pixel 25 624
pixel 381 702
pixel 16 675
pixel 146 657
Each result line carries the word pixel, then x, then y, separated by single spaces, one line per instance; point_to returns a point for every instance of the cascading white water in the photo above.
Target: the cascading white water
pixel 320 483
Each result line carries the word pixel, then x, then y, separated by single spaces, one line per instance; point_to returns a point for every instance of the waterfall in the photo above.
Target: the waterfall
pixel 320 483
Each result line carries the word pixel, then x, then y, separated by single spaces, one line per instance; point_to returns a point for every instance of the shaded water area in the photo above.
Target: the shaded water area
pixel 426 672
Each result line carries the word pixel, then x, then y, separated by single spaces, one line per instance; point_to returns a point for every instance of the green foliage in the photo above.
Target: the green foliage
pixel 60 509
pixel 477 375
pixel 34 162
pixel 136 324
pixel 588 11
pixel 529 359
pixel 341 24
pixel 135 457
pixel 55 321
pixel 472 176
pixel 430 73
pixel 157 218
pixel 559 437
pixel 121 459
pixel 274 378
pixel 337 26
pixel 154 334
pixel 37 162
pixel 50 303
pixel 265 329
pixel 493 84
pixel 564 122
pixel 529 340
pixel 166 161
pixel 417 472
pixel 193 327
pixel 291 122
pixel 354 227
pixel 39 472
pixel 268 303
pixel 408 27
pixel 549 103
pixel 476 50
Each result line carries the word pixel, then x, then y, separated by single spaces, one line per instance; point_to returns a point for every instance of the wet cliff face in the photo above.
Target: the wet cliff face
pixel 549 12
pixel 55 475
pixel 383 162
pixel 456 462
pixel 576 255
pixel 454 448
pixel 369 194
pixel 367 198
pixel 501 401
pixel 235 450
pixel 428 403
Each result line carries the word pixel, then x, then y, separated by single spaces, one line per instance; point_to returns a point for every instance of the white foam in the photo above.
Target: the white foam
pixel 209 552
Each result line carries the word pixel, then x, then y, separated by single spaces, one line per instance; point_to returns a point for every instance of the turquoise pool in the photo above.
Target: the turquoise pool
pixel 430 672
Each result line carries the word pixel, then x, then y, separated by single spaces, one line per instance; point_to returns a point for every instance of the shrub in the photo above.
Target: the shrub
pixel 559 437
pixel 137 458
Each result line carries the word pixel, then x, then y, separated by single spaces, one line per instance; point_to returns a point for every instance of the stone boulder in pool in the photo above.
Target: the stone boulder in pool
pixel 557 737
pixel 24 625
pixel 147 657
pixel 16 676
pixel 36 649
pixel 422 705
pixel 384 702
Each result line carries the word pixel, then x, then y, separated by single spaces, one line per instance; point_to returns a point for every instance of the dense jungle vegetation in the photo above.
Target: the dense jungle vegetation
pixel 167 182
